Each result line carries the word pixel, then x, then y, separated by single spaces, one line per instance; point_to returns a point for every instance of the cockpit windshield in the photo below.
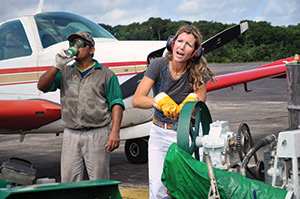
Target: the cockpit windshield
pixel 55 27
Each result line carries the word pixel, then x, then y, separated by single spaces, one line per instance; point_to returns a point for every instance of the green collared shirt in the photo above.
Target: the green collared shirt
pixel 87 102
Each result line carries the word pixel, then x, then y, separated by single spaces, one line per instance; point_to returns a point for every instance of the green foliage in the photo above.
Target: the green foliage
pixel 261 42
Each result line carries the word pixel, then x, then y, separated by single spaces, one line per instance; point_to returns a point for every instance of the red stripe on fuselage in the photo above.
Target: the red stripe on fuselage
pixel 118 64
pixel 45 68
pixel 24 70
pixel 17 83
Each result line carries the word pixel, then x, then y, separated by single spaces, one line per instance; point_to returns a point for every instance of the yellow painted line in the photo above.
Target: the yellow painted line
pixel 134 193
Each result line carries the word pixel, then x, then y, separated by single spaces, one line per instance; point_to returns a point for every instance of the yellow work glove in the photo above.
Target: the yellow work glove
pixel 166 104
pixel 190 97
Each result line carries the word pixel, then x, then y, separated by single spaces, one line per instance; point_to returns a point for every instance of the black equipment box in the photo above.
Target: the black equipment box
pixel 18 171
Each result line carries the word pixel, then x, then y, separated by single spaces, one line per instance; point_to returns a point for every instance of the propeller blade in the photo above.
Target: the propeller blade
pixel 224 37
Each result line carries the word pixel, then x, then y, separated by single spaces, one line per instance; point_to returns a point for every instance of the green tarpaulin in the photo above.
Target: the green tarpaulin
pixel 185 177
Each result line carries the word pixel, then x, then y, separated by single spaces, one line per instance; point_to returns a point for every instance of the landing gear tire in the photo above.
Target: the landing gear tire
pixel 136 150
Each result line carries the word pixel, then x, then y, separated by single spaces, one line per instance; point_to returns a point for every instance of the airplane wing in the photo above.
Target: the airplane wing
pixel 269 70
pixel 27 114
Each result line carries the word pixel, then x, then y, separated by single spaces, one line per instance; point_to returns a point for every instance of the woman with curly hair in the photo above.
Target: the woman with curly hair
pixel 178 77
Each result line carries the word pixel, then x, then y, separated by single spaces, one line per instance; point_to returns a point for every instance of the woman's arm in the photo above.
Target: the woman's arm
pixel 201 93
pixel 140 98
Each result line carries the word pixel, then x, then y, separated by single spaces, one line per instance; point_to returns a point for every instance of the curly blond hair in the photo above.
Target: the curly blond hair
pixel 197 67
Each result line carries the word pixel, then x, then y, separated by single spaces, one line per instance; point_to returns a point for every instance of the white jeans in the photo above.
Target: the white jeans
pixel 159 143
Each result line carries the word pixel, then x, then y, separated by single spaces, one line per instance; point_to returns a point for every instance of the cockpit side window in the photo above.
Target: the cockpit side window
pixel 13 40
pixel 55 27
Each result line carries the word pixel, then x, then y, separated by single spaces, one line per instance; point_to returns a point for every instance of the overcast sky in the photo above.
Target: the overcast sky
pixel 124 12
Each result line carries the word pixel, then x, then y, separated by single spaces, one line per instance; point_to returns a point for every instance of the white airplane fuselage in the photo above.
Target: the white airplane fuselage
pixel 19 75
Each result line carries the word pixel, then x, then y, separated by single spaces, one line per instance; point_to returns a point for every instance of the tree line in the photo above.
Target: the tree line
pixel 261 42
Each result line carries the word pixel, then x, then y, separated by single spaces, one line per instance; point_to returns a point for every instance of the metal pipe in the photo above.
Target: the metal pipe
pixel 213 190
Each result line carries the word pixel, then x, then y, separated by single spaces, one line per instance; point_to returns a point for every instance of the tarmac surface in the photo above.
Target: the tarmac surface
pixel 264 109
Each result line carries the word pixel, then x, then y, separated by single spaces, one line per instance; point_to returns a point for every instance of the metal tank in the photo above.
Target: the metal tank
pixel 293 88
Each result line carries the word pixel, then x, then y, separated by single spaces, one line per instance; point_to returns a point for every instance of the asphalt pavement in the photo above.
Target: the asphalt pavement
pixel 264 109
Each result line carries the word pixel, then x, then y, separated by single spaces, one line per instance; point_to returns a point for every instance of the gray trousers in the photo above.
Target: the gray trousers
pixel 85 147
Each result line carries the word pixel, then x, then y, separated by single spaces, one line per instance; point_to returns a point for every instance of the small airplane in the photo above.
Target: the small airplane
pixel 28 45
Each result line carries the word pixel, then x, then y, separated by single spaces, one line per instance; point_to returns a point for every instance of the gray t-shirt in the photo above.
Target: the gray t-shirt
pixel 177 89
